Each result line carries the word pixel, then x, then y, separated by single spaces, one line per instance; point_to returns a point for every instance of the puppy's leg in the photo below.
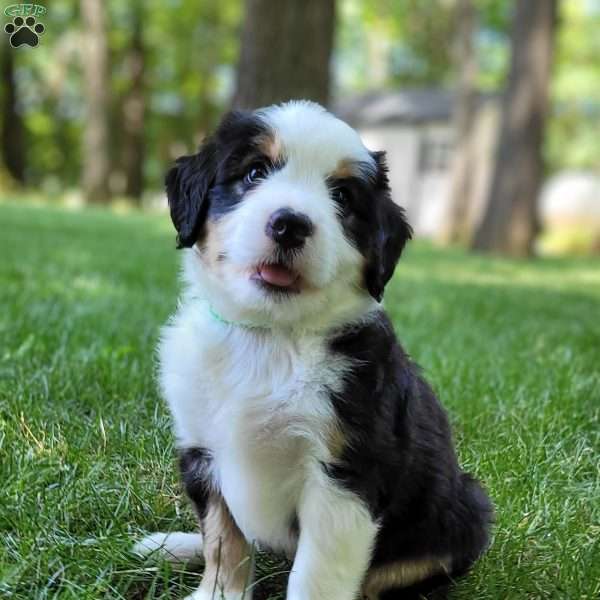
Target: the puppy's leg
pixel 337 534
pixel 227 556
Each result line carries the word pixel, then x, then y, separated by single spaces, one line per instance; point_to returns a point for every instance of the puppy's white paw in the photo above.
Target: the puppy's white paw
pixel 174 547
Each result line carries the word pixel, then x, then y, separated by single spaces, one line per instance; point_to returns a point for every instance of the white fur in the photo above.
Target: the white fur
pixel 258 400
pixel 335 544
pixel 313 138
pixel 258 397
pixel 174 547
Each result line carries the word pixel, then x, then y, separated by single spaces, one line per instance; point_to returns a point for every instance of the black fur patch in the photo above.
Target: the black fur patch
pixel 400 458
pixel 210 183
pixel 187 185
pixel 194 466
pixel 373 222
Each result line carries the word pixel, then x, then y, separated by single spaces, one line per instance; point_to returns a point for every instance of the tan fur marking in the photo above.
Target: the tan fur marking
pixel 336 441
pixel 344 169
pixel 211 245
pixel 227 554
pixel 401 574
pixel 270 145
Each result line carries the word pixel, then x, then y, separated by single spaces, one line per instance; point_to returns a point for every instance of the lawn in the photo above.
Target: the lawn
pixel 86 454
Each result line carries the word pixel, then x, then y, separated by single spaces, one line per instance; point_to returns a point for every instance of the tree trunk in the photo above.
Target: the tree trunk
pixel 13 129
pixel 134 107
pixel 510 221
pixel 95 72
pixel 285 53
pixel 455 227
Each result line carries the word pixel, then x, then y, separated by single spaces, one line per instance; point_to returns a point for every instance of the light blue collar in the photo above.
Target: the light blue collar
pixel 244 325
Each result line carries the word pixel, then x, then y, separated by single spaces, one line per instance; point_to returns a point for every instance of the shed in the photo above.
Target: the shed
pixel 415 127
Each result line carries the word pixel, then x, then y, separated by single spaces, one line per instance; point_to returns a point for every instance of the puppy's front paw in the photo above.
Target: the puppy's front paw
pixel 174 547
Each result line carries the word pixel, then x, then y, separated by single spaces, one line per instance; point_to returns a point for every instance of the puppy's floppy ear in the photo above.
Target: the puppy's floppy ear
pixel 392 231
pixel 188 184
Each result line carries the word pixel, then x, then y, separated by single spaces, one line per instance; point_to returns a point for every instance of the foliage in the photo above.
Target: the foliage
pixel 493 42
pixel 191 51
pixel 410 43
pixel 574 130
pixel 87 459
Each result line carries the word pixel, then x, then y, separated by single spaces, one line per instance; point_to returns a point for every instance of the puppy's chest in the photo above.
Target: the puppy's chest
pixel 268 385
pixel 267 419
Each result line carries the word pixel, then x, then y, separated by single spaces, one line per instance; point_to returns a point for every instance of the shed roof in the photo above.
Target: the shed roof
pixel 406 106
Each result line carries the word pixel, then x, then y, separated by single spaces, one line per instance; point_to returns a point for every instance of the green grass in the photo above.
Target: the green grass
pixel 86 456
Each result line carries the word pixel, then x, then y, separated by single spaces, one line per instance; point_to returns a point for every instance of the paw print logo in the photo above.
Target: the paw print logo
pixel 24 31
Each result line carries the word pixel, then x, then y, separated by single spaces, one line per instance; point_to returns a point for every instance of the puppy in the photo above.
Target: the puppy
pixel 302 425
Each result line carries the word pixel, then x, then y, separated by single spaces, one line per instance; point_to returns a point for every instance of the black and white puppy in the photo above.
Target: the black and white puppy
pixel 302 425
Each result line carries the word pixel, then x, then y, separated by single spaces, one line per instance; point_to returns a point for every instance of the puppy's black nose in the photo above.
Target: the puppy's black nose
pixel 289 228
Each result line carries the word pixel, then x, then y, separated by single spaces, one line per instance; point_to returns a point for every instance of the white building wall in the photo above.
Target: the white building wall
pixel 402 146
pixel 422 193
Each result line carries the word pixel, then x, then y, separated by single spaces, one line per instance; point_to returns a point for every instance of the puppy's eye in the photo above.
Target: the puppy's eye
pixel 342 196
pixel 254 174
pixel 350 205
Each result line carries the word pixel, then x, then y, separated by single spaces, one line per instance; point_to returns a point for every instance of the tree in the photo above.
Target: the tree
pixel 455 227
pixel 510 220
pixel 96 85
pixel 134 106
pixel 13 129
pixel 285 52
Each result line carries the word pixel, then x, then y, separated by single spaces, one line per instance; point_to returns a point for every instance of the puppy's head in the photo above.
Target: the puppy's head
pixel 289 215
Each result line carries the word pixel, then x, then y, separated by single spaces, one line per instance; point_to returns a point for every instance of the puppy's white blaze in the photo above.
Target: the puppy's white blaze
pixel 313 137
pixel 176 547
pixel 320 259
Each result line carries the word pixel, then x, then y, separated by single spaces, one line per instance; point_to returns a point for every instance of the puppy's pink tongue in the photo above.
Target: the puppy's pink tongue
pixel 277 275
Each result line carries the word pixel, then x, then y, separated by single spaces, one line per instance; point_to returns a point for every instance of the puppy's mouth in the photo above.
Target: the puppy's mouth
pixel 277 277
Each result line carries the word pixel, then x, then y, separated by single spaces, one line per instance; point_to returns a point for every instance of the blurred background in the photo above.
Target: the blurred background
pixel 489 109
